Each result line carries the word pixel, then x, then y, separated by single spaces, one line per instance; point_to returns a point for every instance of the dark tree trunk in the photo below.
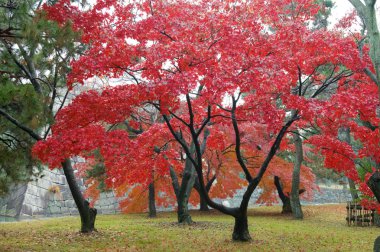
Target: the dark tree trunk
pixel 188 180
pixel 152 201
pixel 184 216
pixel 202 201
pixel 376 245
pixel 294 194
pixel 241 232
pixel 203 204
pixel 182 193
pixel 175 183
pixel 376 219
pixel 374 184
pixel 286 207
pixel 87 214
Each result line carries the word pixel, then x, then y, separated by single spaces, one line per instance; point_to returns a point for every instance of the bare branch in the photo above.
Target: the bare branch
pixel 248 175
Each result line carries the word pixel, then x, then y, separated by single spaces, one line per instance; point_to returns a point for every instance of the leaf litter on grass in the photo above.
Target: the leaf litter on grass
pixel 323 229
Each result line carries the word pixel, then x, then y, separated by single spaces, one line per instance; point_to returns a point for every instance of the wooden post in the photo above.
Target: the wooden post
pixel 373 217
pixel 356 215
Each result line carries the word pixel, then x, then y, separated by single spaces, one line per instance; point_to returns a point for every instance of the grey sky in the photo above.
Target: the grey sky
pixel 343 7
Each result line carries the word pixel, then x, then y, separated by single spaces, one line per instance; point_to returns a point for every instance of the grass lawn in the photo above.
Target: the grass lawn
pixel 323 229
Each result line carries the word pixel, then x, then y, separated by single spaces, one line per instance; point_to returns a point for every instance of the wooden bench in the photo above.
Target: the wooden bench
pixel 358 215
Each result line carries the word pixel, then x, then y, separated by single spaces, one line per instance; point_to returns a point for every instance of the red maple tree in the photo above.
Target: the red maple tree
pixel 229 62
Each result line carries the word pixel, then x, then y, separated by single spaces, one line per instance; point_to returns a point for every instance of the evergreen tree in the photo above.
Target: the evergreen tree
pixel 34 54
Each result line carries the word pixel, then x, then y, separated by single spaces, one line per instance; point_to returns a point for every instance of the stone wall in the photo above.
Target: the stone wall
pixel 11 204
pixel 327 194
pixel 48 196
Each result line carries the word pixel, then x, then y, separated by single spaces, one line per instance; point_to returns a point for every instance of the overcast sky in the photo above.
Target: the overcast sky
pixel 342 7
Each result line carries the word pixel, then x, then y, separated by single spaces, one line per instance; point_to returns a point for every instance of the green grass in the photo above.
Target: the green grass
pixel 323 229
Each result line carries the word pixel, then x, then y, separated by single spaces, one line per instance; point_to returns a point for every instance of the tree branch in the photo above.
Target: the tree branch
pixel 370 74
pixel 248 175
pixel 205 122
pixel 359 6
pixel 23 69
pixel 20 125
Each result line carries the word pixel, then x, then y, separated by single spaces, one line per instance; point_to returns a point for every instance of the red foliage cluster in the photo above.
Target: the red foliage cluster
pixel 260 51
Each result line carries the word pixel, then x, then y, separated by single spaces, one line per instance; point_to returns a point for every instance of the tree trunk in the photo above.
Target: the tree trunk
pixel 241 232
pixel 175 183
pixel 294 194
pixel 353 191
pixel 344 136
pixel 188 180
pixel 374 184
pixel 374 40
pixel 152 201
pixel 286 207
pixel 376 219
pixel 376 245
pixel 181 193
pixel 202 200
pixel 203 204
pixel 367 12
pixel 87 214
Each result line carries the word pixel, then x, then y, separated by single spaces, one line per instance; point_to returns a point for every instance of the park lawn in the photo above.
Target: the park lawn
pixel 323 229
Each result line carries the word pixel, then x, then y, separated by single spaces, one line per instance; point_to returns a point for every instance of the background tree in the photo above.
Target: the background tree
pixel 17 99
pixel 35 54
pixel 367 12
